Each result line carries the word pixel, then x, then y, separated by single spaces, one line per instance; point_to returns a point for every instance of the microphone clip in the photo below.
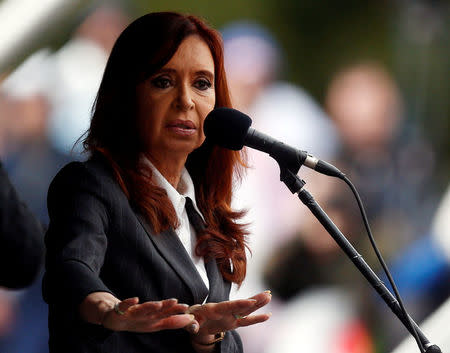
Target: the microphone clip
pixel 291 180
pixel 289 160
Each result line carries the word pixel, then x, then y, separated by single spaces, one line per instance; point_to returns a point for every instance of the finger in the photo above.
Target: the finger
pixel 262 299
pixel 200 311
pixel 194 308
pixel 175 310
pixel 168 307
pixel 126 304
pixel 144 309
pixel 253 319
pixel 234 306
pixel 158 310
pixel 192 327
pixel 168 303
pixel 175 322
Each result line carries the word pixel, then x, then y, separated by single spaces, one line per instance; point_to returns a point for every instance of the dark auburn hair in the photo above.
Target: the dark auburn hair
pixel 143 48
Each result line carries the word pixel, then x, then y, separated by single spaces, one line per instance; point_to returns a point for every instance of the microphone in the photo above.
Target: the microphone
pixel 230 128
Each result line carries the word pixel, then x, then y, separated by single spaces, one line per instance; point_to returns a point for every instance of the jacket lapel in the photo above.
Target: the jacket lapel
pixel 173 251
pixel 219 289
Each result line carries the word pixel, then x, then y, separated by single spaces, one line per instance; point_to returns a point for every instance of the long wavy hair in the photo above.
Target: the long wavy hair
pixel 142 49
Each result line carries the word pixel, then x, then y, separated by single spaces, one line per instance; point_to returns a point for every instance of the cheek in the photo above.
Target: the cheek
pixel 203 112
pixel 201 138
pixel 147 128
pixel 206 107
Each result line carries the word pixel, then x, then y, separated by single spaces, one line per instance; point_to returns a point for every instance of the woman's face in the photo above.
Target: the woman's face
pixel 173 103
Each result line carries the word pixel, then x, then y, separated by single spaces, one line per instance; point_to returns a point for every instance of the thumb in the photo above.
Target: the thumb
pixel 193 327
pixel 124 305
pixel 193 308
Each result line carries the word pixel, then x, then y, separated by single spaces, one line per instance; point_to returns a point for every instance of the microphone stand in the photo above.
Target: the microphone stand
pixel 296 186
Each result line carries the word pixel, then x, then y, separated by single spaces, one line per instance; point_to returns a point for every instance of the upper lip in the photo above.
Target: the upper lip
pixel 182 123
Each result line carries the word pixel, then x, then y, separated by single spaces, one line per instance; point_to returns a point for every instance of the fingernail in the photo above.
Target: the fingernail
pixel 192 317
pixel 268 291
pixel 253 300
pixel 193 328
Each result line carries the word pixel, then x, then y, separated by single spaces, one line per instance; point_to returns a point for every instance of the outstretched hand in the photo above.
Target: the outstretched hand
pixel 213 318
pixel 129 315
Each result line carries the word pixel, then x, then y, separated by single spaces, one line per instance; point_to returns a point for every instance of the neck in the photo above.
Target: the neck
pixel 172 170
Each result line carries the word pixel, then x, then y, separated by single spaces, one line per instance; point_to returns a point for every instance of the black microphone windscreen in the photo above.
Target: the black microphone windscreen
pixel 227 128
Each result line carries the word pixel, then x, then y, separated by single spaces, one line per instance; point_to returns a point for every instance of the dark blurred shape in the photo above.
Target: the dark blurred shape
pixel 21 251
pixel 21 239
pixel 319 284
pixel 312 258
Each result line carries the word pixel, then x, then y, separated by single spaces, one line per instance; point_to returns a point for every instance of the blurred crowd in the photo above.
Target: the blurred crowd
pixel 321 302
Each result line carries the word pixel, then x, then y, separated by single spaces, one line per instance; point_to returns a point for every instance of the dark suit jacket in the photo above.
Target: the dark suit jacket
pixel 97 242
pixel 21 239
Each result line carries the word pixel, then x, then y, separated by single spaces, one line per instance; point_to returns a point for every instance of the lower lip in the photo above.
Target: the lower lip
pixel 181 131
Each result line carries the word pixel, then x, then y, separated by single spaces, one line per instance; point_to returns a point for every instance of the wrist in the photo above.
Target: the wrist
pixel 104 308
pixel 96 307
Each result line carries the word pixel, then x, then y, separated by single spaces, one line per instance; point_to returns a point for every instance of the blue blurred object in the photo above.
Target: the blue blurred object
pixel 420 268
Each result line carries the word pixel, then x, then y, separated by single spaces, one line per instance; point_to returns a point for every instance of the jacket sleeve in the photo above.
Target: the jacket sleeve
pixel 21 239
pixel 76 238
pixel 231 343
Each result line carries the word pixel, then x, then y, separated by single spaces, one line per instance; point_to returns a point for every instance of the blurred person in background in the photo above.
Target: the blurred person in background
pixel 29 157
pixel 324 293
pixel 21 235
pixel 22 250
pixel 388 160
pixel 31 162
pixel 254 63
pixel 76 72
pixel 45 108
pixel 48 101
pixel 391 165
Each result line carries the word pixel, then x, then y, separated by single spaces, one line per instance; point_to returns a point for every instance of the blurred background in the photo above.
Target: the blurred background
pixel 364 85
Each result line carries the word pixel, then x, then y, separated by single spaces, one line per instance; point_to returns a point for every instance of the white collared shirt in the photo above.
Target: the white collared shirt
pixel 185 231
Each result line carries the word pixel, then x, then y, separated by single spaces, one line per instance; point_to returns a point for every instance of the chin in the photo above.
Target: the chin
pixel 181 147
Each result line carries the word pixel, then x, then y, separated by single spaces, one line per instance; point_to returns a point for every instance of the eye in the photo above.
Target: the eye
pixel 202 84
pixel 161 82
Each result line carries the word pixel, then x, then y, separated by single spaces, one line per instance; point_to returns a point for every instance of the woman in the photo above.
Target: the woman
pixel 126 271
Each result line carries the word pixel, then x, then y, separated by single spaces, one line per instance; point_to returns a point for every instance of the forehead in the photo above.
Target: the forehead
pixel 192 53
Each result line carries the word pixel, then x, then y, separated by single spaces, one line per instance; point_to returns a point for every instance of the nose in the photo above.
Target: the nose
pixel 184 98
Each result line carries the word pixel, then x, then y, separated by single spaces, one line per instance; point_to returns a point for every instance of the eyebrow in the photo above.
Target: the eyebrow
pixel 199 72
